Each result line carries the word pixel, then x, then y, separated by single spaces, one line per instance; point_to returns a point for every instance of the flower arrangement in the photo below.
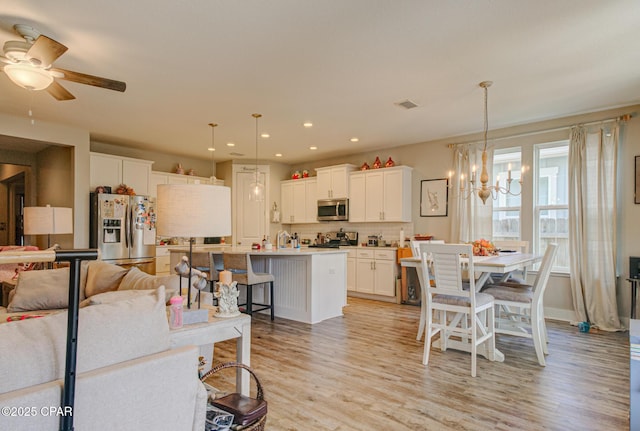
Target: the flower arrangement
pixel 482 247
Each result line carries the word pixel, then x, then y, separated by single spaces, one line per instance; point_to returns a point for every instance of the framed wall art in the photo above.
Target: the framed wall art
pixel 434 197
pixel 636 190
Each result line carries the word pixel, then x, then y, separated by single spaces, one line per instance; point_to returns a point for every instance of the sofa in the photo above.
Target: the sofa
pixel 46 291
pixel 127 376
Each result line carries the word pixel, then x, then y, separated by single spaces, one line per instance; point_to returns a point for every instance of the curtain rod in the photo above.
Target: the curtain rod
pixel 624 117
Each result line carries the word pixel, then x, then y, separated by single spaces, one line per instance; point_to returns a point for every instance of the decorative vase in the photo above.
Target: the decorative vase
pixel 179 169
pixel 364 167
pixel 390 163
pixel 377 164
pixel 296 175
pixel 305 174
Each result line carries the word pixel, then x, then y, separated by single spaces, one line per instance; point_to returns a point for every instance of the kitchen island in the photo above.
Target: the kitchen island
pixel 310 284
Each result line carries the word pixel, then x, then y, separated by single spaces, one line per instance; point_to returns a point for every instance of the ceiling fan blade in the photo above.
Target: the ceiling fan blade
pixel 45 51
pixel 96 81
pixel 59 92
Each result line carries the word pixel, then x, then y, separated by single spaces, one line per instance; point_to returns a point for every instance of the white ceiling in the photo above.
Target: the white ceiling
pixel 341 64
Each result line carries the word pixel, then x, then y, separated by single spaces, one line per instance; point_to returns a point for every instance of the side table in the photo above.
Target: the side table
pixel 218 329
pixel 634 294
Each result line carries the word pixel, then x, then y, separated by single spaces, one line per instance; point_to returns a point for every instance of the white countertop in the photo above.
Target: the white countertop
pixel 274 252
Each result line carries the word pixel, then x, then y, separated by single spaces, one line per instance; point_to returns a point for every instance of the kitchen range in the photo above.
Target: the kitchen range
pixel 336 239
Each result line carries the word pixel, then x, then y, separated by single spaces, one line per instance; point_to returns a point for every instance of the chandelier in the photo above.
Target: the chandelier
pixel 485 189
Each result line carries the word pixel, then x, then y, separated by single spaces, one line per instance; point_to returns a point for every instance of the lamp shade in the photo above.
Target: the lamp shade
pixel 193 210
pixel 29 77
pixel 48 220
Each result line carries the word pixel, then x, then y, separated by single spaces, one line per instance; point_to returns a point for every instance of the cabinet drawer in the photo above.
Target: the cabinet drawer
pixel 163 264
pixel 385 254
pixel 162 251
pixel 365 253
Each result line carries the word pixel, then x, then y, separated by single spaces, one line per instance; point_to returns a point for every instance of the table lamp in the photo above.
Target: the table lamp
pixel 193 210
pixel 48 221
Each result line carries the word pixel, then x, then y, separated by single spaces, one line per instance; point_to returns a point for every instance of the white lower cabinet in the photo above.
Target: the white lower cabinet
pixel 163 266
pixel 375 272
pixel 351 270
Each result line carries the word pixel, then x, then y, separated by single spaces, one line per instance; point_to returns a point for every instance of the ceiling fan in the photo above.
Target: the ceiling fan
pixel 29 65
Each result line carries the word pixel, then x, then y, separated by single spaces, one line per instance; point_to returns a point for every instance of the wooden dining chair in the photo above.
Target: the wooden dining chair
pixel 472 319
pixel 520 307
pixel 415 249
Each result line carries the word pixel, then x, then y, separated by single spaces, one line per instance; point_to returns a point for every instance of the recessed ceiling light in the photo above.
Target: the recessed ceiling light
pixel 278 154
pixel 313 148
pixel 354 139
pixel 307 124
pixel 230 144
pixel 211 149
pixel 264 135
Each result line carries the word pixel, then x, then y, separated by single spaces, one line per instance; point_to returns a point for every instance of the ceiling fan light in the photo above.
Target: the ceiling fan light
pixel 28 77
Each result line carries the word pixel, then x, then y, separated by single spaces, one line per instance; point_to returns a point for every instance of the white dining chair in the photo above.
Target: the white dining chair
pixel 514 245
pixel 520 307
pixel 415 249
pixel 473 313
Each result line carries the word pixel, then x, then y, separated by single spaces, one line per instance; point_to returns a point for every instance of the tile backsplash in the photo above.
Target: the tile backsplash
pixel 389 231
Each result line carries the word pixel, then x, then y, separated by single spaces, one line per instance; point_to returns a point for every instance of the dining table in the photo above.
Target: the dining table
pixel 503 263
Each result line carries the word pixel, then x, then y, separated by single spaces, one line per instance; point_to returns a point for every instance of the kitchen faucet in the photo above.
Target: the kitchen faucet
pixel 284 235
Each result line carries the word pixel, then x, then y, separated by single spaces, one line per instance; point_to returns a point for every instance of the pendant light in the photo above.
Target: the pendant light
pixel 256 188
pixel 213 150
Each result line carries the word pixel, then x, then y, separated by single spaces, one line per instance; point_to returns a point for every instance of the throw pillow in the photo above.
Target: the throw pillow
pixel 103 277
pixel 116 295
pixel 41 290
pixel 139 280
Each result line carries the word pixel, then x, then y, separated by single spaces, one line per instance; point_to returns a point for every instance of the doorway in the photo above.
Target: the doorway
pixel 12 192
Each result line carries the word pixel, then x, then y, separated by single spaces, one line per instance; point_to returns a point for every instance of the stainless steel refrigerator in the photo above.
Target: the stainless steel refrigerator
pixel 123 228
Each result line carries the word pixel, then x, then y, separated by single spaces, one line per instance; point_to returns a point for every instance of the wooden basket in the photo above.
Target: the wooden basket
pixel 260 424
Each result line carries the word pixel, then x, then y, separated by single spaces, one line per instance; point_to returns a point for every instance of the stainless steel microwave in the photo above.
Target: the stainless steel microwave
pixel 333 209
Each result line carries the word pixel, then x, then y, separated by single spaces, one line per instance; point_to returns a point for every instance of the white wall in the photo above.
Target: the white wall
pixel 58 134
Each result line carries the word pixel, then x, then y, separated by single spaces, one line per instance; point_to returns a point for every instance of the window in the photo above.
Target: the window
pixel 546 192
pixel 551 207
pixel 506 208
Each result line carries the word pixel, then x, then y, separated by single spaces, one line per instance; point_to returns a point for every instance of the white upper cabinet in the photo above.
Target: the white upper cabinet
pixel 298 201
pixel 109 170
pixel 333 181
pixel 167 178
pixel 381 195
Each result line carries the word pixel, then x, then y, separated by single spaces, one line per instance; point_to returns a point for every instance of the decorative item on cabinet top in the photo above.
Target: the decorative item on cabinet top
pixel 297 174
pixel 179 169
pixel 377 164
pixel 365 167
pixel 389 163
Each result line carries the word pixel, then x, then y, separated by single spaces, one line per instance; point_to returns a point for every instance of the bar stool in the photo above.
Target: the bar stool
pixel 216 264
pixel 239 264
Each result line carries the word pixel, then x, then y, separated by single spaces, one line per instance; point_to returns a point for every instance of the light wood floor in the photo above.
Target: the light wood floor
pixel 364 371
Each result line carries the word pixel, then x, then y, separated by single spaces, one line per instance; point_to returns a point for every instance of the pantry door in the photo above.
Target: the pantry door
pixel 251 218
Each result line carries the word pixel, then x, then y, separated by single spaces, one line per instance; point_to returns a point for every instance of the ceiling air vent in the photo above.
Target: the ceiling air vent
pixel 236 154
pixel 407 104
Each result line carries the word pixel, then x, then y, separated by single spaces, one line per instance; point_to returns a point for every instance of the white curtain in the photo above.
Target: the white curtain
pixel 473 218
pixel 592 224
